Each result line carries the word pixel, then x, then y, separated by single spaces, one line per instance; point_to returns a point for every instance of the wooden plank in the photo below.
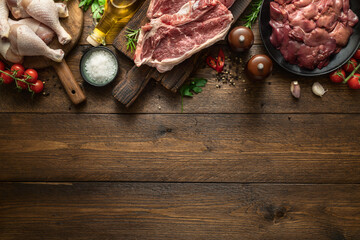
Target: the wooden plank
pixel 178 211
pixel 271 96
pixel 180 148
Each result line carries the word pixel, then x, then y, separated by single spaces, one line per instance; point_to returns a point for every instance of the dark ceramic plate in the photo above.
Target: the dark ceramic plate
pixel 335 61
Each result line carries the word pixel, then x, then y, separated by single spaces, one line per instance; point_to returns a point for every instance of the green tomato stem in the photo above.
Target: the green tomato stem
pixel 352 74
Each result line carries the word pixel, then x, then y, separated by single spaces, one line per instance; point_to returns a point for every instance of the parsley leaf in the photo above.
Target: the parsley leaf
pixel 97 7
pixel 188 89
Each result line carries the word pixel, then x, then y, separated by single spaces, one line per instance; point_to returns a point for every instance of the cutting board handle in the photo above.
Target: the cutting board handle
pixel 134 83
pixel 69 83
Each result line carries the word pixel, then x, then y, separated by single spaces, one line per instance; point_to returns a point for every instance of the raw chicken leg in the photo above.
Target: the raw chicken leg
pixel 62 10
pixel 25 42
pixel 41 30
pixel 46 12
pixel 19 12
pixel 4 15
pixel 8 54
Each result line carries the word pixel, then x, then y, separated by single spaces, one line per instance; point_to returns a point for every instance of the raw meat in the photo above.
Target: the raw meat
pixel 4 15
pixel 308 32
pixel 45 11
pixel 158 8
pixel 24 42
pixel 172 38
pixel 7 53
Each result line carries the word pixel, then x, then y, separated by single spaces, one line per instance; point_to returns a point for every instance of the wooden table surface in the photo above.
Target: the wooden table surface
pixel 242 162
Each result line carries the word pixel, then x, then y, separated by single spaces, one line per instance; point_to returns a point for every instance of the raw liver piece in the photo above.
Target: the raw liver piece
pixel 308 32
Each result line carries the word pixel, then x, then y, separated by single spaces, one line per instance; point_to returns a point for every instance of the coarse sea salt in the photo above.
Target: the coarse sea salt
pixel 101 67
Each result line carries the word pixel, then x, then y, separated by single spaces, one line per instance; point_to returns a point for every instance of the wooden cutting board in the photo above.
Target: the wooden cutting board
pixel 74 25
pixel 136 80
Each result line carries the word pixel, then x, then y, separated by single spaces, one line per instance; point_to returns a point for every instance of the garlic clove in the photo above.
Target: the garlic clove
pixel 318 89
pixel 295 89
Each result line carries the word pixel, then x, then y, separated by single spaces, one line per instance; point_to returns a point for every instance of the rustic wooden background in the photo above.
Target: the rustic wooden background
pixel 242 162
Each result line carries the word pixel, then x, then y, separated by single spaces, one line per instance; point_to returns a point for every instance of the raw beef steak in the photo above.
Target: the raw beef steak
pixel 158 8
pixel 172 38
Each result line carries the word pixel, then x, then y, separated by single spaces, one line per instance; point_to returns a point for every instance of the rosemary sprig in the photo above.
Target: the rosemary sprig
pixel 255 9
pixel 132 36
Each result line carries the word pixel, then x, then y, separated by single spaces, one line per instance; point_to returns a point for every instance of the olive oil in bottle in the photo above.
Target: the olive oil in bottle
pixel 115 12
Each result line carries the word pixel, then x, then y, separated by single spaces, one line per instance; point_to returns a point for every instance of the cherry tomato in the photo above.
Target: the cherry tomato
pixel 350 65
pixel 21 84
pixel 338 76
pixel 2 66
pixel 17 70
pixel 354 82
pixel 357 55
pixel 6 78
pixel 31 75
pixel 38 87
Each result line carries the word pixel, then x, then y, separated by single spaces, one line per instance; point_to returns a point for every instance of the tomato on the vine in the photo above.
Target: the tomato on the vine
pixel 2 66
pixel 354 81
pixel 357 55
pixel 38 87
pixel 31 75
pixel 350 65
pixel 17 70
pixel 338 76
pixel 6 77
pixel 21 84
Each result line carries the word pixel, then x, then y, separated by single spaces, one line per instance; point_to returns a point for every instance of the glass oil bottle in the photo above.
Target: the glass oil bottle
pixel 115 12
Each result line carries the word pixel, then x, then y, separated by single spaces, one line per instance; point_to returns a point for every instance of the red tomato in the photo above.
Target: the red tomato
pixel 6 78
pixel 21 84
pixel 354 82
pixel 17 70
pixel 350 65
pixel 338 76
pixel 2 66
pixel 38 87
pixel 357 55
pixel 31 75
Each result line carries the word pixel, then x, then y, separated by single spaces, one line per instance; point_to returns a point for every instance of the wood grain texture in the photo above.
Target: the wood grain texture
pixel 180 148
pixel 179 211
pixel 270 96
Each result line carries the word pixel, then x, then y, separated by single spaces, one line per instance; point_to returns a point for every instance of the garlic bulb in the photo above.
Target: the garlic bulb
pixel 295 89
pixel 318 89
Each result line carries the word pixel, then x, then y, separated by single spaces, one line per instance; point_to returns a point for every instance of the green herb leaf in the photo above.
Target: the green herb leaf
pixel 97 7
pixel 252 17
pixel 195 86
pixel 132 38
